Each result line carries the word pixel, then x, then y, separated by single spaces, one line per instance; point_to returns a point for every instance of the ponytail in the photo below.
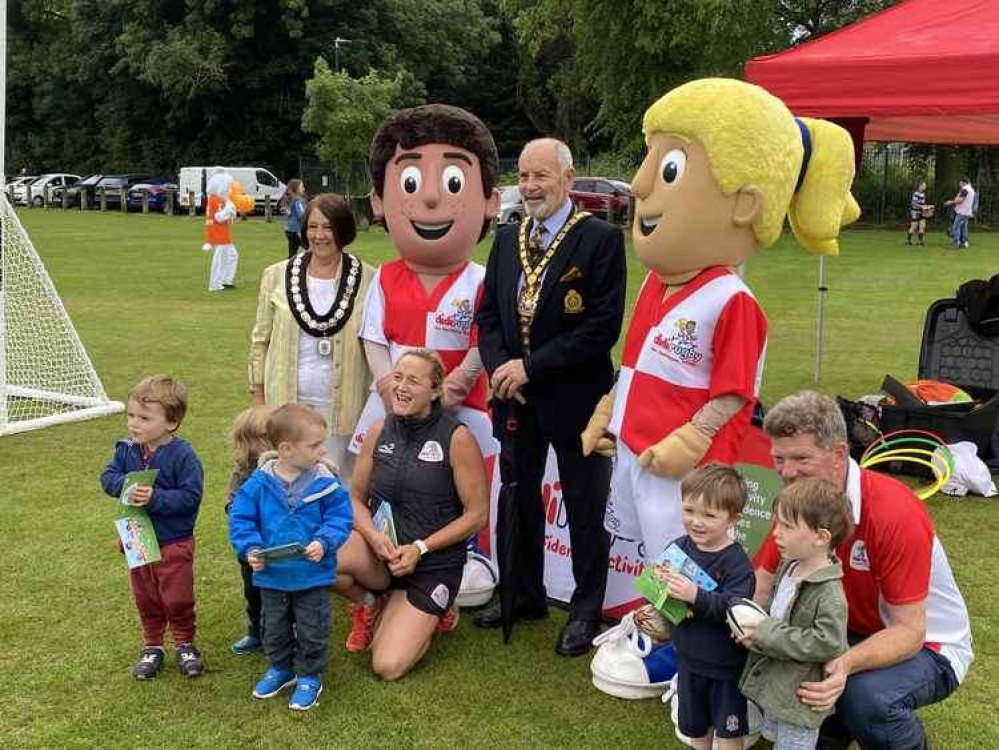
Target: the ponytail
pixel 822 204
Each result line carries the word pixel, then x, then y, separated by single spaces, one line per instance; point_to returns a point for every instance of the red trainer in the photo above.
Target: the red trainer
pixel 362 627
pixel 450 620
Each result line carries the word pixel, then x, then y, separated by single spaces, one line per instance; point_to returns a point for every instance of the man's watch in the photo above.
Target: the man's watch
pixel 421 546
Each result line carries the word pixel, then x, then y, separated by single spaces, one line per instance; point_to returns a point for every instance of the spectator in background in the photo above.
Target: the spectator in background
pixel 294 201
pixel 917 214
pixel 964 207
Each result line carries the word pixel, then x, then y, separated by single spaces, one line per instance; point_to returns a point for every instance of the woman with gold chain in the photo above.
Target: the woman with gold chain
pixel 304 347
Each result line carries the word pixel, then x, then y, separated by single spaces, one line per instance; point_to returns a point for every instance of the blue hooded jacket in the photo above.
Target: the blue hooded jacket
pixel 261 517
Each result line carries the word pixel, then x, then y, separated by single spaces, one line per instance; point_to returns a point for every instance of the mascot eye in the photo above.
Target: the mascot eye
pixel 453 179
pixel 411 179
pixel 672 166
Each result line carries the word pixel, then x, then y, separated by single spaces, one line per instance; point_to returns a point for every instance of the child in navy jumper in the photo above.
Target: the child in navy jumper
pixel 293 499
pixel 164 590
pixel 709 662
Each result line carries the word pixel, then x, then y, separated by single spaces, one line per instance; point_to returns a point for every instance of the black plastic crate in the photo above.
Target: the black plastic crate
pixel 954 352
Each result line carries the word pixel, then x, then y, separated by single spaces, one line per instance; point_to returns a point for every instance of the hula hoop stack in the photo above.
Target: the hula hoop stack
pixel 915 447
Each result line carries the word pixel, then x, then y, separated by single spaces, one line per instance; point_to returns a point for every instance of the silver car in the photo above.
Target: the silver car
pixel 511 205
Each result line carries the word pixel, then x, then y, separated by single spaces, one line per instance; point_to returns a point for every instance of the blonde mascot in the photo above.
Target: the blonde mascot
pixel 225 200
pixel 726 163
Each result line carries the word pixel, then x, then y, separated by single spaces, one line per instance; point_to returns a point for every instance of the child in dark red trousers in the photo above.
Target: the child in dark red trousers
pixel 163 590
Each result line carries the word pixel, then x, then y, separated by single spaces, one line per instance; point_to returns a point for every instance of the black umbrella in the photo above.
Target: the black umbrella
pixel 506 521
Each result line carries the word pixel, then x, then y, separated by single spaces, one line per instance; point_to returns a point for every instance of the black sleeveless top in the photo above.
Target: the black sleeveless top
pixel 412 471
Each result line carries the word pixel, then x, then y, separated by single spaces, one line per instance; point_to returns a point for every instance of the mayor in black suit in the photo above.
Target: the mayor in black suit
pixel 551 312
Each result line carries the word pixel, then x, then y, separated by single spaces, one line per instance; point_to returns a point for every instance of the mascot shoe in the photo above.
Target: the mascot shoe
pixel 478 581
pixel 628 664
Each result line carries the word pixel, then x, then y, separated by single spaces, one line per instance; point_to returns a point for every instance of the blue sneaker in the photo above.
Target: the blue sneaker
pixel 306 694
pixel 246 645
pixel 273 682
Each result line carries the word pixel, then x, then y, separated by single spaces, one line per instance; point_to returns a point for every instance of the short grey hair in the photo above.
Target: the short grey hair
pixel 564 156
pixel 807 413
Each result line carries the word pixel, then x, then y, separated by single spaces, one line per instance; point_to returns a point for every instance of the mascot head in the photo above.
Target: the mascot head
pixel 726 163
pixel 219 184
pixel 434 173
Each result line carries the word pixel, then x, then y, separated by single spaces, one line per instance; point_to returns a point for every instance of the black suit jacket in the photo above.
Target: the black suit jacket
pixel 569 363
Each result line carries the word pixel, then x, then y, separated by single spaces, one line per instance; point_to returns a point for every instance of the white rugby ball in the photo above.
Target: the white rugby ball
pixel 742 612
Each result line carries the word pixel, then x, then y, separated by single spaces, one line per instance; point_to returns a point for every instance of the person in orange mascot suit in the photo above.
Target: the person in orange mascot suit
pixel 726 163
pixel 434 171
pixel 225 200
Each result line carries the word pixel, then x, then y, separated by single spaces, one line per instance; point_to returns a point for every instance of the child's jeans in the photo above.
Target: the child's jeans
pixel 164 594
pixel 789 736
pixel 296 628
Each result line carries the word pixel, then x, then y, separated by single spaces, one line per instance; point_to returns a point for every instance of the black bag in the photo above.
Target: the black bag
pixel 980 301
pixel 863 424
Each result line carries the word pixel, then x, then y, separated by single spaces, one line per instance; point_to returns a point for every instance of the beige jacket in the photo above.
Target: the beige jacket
pixel 273 361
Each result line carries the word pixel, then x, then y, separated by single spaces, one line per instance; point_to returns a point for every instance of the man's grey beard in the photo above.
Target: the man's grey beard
pixel 543 211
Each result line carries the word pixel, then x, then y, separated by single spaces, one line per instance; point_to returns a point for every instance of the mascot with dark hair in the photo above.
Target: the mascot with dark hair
pixel 434 173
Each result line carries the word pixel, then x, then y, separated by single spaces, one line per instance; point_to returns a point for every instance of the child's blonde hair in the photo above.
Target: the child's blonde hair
pixel 285 423
pixel 249 436
pixel 751 138
pixel 164 390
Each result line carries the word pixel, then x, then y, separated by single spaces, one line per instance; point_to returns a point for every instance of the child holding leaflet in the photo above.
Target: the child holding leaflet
pixel 163 590
pixel 807 623
pixel 709 662
pixel 295 504
pixel 249 443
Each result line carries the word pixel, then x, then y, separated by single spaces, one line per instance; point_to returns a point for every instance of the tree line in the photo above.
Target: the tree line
pixel 151 85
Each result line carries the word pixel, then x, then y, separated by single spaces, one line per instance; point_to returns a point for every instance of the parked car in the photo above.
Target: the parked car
pixel 84 186
pixel 511 205
pixel 111 185
pixel 607 198
pixel 36 188
pixel 157 195
pixel 18 182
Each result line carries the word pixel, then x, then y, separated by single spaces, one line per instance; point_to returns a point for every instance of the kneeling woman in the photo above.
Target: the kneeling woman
pixel 427 466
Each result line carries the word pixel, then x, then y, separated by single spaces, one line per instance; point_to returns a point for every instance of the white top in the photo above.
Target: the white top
pixel 786 590
pixel 966 207
pixel 315 372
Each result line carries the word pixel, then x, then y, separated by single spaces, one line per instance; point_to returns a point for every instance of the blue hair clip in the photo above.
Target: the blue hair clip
pixel 806 142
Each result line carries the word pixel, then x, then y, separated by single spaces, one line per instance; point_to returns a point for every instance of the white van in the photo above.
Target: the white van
pixel 256 181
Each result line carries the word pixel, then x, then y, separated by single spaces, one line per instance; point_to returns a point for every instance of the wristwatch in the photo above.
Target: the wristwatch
pixel 421 546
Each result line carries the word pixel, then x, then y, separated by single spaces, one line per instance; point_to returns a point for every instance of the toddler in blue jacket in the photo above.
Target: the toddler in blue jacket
pixel 293 501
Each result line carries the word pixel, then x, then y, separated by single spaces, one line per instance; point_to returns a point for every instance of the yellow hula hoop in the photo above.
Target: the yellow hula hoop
pixel 900 454
pixel 926 491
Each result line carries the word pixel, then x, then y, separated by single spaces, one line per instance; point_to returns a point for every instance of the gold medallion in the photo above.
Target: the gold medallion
pixel 573 302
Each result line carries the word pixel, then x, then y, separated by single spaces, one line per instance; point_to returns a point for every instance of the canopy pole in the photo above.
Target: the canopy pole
pixel 820 318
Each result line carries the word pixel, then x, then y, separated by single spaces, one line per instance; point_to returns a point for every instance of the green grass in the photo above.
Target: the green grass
pixel 135 288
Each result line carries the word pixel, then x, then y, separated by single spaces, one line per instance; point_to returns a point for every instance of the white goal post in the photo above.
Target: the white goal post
pixel 46 377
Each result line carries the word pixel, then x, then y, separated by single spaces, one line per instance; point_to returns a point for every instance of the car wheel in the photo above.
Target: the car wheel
pixel 513 218
pixel 37 201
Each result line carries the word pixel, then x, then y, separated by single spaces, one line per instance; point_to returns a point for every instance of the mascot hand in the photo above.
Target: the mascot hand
pixel 677 453
pixel 456 388
pixel 207 247
pixel 595 437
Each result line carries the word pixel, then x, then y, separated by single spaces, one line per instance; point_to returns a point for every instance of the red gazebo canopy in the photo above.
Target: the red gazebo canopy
pixel 922 71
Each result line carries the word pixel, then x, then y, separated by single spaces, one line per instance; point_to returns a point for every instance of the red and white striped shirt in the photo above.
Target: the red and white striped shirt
pixel 707 340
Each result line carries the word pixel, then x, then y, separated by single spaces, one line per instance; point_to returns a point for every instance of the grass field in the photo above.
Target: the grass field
pixel 135 288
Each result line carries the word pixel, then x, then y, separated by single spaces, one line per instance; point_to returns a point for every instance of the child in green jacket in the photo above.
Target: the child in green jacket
pixel 807 623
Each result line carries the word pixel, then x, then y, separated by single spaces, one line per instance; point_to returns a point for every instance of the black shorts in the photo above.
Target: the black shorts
pixel 707 703
pixel 431 591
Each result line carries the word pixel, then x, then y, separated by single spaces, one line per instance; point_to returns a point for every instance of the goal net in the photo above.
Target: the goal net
pixel 46 376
